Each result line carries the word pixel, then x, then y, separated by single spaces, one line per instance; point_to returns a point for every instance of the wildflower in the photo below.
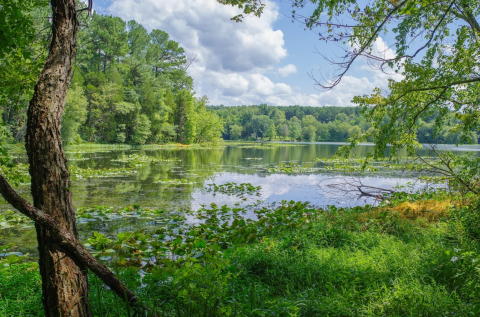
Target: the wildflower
pixel 454 259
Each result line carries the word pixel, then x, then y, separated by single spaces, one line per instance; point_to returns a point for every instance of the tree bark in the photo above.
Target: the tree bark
pixel 69 243
pixel 64 277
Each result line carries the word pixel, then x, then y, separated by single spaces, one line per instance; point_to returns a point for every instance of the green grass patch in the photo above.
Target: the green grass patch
pixel 293 261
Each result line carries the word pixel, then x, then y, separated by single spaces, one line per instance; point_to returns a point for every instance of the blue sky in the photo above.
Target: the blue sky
pixel 262 60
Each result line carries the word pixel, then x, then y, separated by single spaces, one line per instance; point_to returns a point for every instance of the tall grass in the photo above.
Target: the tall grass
pixel 406 260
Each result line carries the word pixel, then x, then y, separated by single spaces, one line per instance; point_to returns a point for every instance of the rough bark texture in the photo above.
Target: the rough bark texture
pixel 64 278
pixel 68 242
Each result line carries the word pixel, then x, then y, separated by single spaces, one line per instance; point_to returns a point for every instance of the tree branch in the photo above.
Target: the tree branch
pixel 363 48
pixel 67 241
pixel 455 83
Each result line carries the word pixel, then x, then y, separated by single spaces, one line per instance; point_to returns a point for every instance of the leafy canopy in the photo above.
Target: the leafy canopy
pixel 436 52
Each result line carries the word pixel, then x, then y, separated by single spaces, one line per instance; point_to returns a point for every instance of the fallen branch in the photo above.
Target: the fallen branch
pixel 356 186
pixel 67 241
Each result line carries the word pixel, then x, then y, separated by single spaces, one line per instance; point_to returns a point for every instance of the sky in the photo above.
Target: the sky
pixel 261 60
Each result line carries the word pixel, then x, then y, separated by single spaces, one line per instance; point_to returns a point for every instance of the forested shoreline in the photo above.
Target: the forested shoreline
pixel 131 86
pixel 327 124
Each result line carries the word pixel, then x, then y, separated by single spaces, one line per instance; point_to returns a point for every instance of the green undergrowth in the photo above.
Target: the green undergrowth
pixel 292 260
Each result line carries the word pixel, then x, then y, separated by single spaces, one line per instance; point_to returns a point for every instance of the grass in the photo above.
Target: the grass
pixel 411 258
pixel 20 290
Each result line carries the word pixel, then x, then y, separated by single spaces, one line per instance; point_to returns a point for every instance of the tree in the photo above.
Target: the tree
pixel 63 261
pixel 141 129
pixel 309 120
pixel 322 132
pixel 184 116
pixel 105 41
pixel 75 115
pixel 209 125
pixel 23 50
pixel 439 72
pixel 295 128
pixel 309 133
pixel 164 54
pixel 235 131
pixel 284 131
pixel 271 132
pixel 260 125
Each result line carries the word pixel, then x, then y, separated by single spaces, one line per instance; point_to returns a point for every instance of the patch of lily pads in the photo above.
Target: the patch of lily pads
pixel 79 173
pixel 177 241
pixel 136 160
pixel 17 174
pixel 232 188
pixel 87 214
pixel 12 219
pixel 379 165
pixel 292 167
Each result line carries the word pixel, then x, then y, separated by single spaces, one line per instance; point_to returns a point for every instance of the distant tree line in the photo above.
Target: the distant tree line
pixel 328 124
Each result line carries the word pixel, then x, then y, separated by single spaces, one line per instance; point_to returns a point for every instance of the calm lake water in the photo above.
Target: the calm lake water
pixel 154 185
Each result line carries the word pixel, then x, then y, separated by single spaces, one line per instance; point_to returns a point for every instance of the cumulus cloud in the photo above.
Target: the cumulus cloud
pixel 287 70
pixel 204 27
pixel 234 59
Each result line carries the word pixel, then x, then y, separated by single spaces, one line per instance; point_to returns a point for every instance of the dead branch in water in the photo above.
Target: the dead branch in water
pixel 353 186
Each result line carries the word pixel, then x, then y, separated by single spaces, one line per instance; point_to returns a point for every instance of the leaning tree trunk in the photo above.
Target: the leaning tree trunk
pixel 64 278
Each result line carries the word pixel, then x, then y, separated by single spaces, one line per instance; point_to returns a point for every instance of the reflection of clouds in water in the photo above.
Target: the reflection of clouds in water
pixel 278 187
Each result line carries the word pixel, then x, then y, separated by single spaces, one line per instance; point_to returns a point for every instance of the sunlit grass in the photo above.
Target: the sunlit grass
pixel 393 260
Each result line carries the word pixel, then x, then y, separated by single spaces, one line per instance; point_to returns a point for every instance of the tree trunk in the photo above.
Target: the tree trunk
pixel 64 278
pixel 105 64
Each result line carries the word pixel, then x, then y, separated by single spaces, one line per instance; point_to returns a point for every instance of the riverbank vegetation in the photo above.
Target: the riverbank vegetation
pixel 414 255
pixel 131 86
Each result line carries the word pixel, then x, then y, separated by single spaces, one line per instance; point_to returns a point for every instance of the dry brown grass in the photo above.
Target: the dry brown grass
pixel 430 210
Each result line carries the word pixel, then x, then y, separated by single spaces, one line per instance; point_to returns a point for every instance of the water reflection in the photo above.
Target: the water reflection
pixel 180 183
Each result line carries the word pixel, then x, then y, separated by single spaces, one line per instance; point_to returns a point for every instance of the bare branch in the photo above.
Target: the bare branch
pixel 358 53
pixel 192 59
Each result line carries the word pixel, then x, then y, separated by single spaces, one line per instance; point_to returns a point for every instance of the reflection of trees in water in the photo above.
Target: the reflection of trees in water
pixel 150 185
pixel 153 185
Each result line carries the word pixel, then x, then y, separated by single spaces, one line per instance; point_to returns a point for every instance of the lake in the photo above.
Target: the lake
pixel 179 179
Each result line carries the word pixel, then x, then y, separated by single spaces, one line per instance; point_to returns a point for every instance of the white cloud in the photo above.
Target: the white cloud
pixel 287 70
pixel 204 27
pixel 341 95
pixel 233 58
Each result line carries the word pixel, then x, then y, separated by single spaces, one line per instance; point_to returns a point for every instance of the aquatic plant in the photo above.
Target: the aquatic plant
pixel 13 219
pixel 294 260
pixel 17 174
pixel 79 173
pixel 232 188
pixel 179 181
pixel 136 160
pixel 292 167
